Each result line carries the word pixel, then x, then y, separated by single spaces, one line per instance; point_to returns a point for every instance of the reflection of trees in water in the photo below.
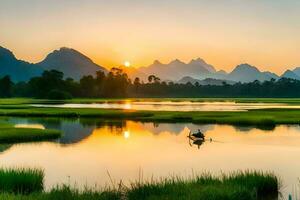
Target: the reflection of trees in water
pixel 115 126
pixel 175 128
pixel 74 129
pixel 245 128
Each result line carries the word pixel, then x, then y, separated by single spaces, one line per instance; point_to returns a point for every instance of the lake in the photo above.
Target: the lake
pixel 174 106
pixel 92 150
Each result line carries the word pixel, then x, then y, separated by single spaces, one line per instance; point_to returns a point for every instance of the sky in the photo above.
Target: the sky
pixel 225 33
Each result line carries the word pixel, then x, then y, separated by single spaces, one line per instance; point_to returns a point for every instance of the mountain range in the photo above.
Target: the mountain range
pixel 199 70
pixel 75 65
pixel 69 61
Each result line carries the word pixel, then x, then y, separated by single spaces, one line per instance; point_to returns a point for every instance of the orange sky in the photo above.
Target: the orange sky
pixel 261 33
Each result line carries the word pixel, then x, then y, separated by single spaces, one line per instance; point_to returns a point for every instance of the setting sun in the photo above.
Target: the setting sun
pixel 127 64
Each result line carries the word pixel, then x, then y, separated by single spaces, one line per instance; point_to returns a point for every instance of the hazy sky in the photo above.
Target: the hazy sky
pixel 264 33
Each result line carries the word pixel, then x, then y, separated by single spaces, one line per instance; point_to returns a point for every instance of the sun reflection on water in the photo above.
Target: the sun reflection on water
pixel 126 134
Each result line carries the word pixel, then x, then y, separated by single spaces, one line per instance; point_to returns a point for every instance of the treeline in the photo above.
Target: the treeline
pixel 52 85
pixel 116 84
pixel 283 87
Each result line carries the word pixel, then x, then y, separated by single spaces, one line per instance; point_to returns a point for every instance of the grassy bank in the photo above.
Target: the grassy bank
pixel 240 185
pixel 234 186
pixel 21 180
pixel 260 117
pixel 263 117
pixel 10 134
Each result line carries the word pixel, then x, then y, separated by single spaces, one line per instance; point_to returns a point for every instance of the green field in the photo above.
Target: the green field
pixel 249 185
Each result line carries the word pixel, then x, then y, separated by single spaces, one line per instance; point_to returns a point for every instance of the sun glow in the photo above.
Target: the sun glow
pixel 127 64
pixel 126 134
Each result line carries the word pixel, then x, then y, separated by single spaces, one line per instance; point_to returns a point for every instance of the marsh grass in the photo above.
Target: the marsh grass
pixel 21 180
pixel 260 117
pixel 16 135
pixel 234 186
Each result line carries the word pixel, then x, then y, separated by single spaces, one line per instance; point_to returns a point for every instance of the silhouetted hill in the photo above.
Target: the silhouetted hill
pixel 71 62
pixel 74 64
pixel 199 69
pixel 207 81
pixel 177 69
pixel 290 74
pixel 297 71
pixel 18 70
pixel 248 73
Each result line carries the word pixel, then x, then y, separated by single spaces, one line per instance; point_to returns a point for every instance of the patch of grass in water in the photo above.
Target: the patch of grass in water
pixel 16 135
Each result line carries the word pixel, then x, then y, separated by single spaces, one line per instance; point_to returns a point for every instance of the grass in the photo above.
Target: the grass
pixel 261 117
pixel 235 186
pixel 21 180
pixel 65 193
pixel 10 134
pixel 239 185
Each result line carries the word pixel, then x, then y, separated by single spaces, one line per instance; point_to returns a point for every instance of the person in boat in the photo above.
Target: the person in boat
pixel 199 134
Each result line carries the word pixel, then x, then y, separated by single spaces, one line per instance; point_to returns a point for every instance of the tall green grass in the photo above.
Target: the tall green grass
pixel 65 193
pixel 21 180
pixel 234 186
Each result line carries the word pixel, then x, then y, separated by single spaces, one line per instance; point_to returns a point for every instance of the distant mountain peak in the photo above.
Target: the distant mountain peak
pixel 246 66
pixel 6 53
pixel 18 70
pixel 248 73
pixel 71 62
pixel 157 62
pixel 222 71
pixel 198 60
pixel 176 61
pixel 66 51
pixel 297 71
pixel 290 74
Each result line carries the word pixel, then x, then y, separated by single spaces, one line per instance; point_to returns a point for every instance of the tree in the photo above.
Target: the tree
pixel 6 87
pixel 136 83
pixel 156 79
pixel 100 78
pixel 151 78
pixel 50 80
pixel 88 86
pixel 116 83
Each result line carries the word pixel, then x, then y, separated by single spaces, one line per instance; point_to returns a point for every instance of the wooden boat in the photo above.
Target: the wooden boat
pixel 198 135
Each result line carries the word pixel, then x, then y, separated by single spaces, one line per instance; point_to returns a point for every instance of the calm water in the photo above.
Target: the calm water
pixel 175 106
pixel 90 149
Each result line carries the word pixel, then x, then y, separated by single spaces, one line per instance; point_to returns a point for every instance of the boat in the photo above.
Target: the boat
pixel 198 135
